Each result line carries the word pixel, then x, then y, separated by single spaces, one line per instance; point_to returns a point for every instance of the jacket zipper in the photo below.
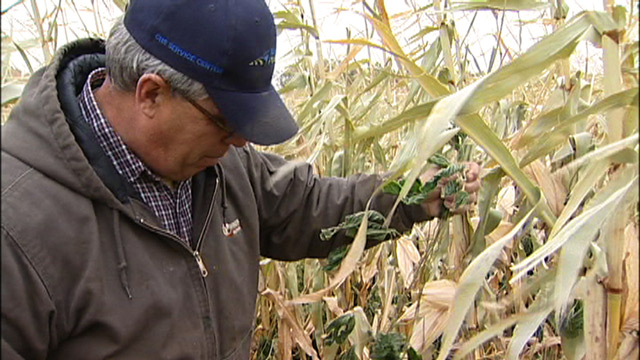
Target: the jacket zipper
pixel 203 269
pixel 195 252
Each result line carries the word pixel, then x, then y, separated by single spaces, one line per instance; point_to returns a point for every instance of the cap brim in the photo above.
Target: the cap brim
pixel 261 118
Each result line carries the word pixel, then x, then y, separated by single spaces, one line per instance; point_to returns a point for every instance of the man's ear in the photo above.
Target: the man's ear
pixel 151 90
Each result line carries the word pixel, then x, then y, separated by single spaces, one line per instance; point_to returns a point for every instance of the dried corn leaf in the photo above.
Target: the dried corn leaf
pixel 332 304
pixel 361 334
pixel 389 291
pixel 289 320
pixel 418 112
pixel 552 188
pixel 346 268
pixel 540 56
pixel 516 5
pixel 595 307
pixel 552 122
pixel 574 250
pixel 629 348
pixel 428 82
pixel 435 296
pixel 630 320
pixel 472 280
pixel 408 257
pixel 427 329
pixel 371 266
pixel 590 176
pixel 285 343
pixel 495 330
pixel 586 225
pixel 498 233
pixel 362 43
pixel 526 327
pixel 507 200
pixel 343 65
pixel 611 150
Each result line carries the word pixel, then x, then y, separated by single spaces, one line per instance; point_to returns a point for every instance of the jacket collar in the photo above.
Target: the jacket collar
pixel 47 131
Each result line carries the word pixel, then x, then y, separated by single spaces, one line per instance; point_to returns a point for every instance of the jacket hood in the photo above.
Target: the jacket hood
pixel 47 131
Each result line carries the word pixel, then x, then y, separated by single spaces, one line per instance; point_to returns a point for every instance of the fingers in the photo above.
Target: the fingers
pixel 472 173
pixel 472 185
pixel 434 203
pixel 450 203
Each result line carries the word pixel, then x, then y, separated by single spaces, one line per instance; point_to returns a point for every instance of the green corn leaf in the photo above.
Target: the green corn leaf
pixel 461 199
pixel 439 160
pixel 375 230
pixel 339 329
pixel 572 325
pixel 335 258
pixel 388 347
pixel 451 188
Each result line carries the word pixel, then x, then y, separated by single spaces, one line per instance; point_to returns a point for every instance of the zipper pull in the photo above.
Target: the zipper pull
pixel 203 269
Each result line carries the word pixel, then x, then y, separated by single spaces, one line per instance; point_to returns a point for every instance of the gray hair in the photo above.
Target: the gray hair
pixel 126 62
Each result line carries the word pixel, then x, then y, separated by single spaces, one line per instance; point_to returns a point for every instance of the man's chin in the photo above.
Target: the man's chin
pixel 210 161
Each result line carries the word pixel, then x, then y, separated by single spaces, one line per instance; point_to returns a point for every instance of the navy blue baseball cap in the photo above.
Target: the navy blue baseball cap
pixel 229 46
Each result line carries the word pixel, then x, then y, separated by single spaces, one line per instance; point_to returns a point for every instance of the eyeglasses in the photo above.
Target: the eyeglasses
pixel 216 119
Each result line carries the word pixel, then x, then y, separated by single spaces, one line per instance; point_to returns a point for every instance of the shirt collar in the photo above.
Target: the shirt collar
pixel 125 161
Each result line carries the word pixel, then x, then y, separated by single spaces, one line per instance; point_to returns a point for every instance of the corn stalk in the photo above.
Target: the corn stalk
pixel 559 157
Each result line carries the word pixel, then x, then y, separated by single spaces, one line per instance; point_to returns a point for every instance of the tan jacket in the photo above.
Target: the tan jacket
pixel 88 272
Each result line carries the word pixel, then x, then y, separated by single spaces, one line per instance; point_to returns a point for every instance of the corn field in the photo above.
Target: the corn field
pixel 544 267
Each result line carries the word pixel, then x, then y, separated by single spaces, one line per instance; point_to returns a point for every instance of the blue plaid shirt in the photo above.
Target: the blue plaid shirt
pixel 171 206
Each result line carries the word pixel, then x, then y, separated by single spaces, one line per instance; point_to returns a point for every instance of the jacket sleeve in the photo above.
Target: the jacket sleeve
pixel 26 305
pixel 295 204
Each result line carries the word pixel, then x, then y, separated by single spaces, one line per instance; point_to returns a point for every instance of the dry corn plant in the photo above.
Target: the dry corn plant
pixel 546 265
pixel 540 269
pixel 33 30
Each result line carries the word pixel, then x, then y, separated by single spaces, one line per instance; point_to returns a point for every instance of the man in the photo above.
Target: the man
pixel 135 212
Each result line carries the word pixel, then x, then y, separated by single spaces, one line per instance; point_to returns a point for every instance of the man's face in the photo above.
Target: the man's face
pixel 183 140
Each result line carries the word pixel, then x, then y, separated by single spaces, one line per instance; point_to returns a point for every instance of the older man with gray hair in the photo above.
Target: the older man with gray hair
pixel 135 209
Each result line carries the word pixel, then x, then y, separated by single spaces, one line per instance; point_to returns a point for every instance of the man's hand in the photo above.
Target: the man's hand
pixel 434 202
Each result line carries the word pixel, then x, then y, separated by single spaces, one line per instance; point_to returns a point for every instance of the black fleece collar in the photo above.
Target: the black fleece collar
pixel 78 60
